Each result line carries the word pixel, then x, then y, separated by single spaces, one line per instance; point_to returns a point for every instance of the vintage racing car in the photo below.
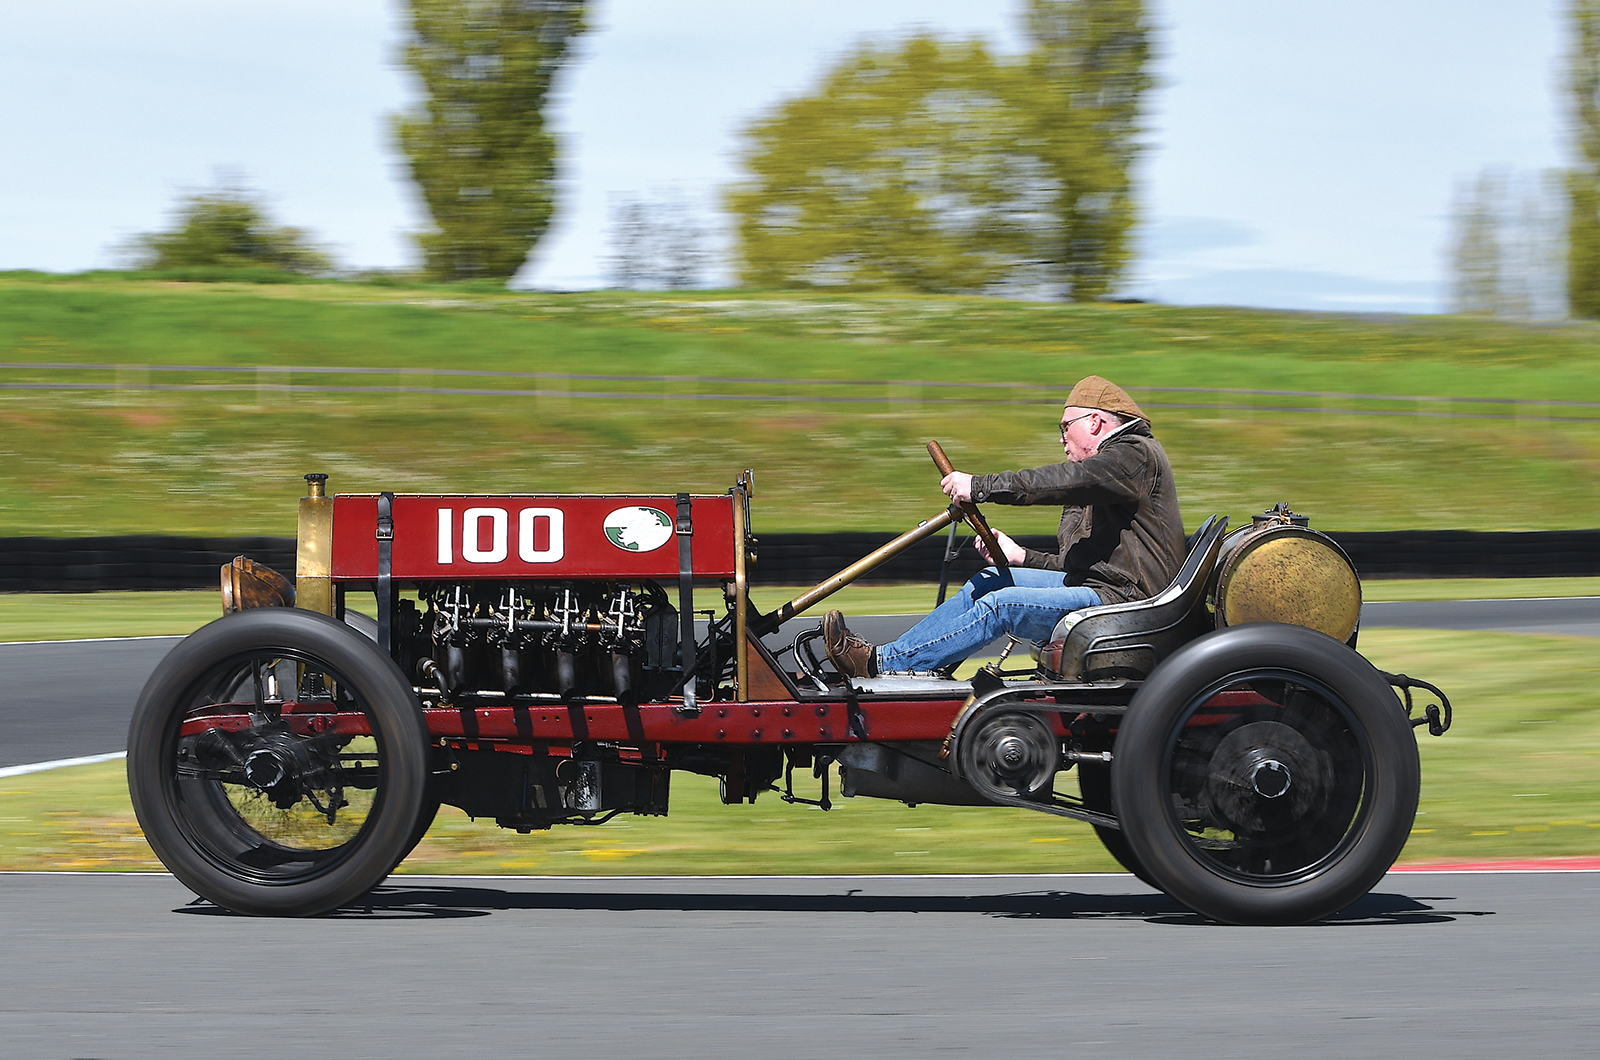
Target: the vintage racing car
pixel 536 660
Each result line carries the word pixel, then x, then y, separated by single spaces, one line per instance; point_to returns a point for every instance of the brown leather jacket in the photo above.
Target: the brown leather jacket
pixel 1121 534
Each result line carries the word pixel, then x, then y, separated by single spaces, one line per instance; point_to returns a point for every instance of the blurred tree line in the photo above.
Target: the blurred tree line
pixel 1527 246
pixel 226 228
pixel 925 165
pixel 1508 246
pixel 1583 179
pixel 933 165
pixel 477 148
pixel 657 243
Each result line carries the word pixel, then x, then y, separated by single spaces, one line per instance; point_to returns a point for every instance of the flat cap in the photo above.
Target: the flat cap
pixel 1093 392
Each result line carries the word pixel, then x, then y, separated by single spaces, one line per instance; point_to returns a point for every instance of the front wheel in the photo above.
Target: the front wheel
pixel 1266 774
pixel 277 763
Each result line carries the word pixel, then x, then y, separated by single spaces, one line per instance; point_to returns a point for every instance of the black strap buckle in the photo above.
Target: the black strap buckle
pixel 685 531
pixel 385 587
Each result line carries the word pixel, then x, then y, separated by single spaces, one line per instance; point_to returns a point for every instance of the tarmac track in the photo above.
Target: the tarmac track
pixel 1447 966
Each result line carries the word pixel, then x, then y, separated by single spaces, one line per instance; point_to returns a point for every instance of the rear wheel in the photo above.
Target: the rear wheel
pixel 1265 774
pixel 1094 784
pixel 276 763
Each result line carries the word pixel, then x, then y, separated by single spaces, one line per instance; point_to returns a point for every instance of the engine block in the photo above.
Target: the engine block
pixel 569 639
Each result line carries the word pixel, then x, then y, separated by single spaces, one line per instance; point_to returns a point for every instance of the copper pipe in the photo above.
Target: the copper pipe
pixel 741 591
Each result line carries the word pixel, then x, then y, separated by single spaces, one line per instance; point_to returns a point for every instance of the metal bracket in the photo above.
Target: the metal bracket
pixel 820 769
pixel 1436 716
pixel 951 550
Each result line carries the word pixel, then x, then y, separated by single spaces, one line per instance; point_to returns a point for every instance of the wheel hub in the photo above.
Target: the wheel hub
pixel 1263 777
pixel 265 769
pixel 1012 753
pixel 282 766
pixel 1271 779
pixel 1009 754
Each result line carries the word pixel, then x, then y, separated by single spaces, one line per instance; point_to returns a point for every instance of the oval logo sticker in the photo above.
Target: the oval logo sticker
pixel 638 529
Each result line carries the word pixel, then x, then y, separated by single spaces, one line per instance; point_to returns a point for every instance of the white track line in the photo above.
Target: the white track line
pixel 60 763
pixel 91 640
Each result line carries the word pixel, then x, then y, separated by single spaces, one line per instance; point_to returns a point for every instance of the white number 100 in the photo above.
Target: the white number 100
pixel 472 535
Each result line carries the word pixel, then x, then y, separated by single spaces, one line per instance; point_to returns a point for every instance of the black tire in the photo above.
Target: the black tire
pixel 362 623
pixel 425 816
pixel 1094 784
pixel 367 626
pixel 1266 774
pixel 272 811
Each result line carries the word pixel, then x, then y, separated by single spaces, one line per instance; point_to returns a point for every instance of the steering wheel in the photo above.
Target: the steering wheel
pixel 970 513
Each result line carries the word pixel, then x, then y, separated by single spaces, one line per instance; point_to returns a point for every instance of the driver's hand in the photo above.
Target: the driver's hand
pixel 957 486
pixel 1014 552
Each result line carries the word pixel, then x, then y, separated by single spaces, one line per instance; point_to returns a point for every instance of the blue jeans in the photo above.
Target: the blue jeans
pixel 1028 604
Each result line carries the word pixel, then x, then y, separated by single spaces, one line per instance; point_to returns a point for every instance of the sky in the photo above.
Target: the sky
pixel 1299 156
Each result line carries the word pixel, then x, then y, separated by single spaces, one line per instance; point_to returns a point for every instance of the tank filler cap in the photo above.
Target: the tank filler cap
pixel 1280 513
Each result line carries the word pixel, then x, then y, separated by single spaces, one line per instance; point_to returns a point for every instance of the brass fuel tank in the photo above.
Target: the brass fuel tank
pixel 1280 570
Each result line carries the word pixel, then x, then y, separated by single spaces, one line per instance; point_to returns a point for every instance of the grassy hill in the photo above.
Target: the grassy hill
pixel 1362 422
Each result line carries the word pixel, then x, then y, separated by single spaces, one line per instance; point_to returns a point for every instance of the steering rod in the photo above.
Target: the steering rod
pixel 970 512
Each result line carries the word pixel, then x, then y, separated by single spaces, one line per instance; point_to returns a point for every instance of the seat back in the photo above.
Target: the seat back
pixel 1128 640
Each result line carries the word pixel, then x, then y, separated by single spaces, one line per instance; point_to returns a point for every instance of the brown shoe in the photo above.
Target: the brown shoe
pixel 851 655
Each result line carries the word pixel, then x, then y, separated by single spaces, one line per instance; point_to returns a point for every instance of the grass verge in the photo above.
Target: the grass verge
pixel 1515 778
pixel 1363 423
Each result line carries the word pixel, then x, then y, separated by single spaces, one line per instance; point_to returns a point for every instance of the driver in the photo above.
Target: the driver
pixel 1121 539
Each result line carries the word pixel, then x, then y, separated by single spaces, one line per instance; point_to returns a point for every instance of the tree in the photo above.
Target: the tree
pixel 934 166
pixel 656 244
pixel 227 227
pixel 1506 246
pixel 1087 81
pixel 905 170
pixel 1583 180
pixel 1475 245
pixel 478 148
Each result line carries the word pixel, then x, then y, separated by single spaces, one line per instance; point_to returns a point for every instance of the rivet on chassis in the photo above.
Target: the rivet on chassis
pixel 722 734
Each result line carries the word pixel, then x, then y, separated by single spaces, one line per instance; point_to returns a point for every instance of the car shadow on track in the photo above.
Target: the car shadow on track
pixel 399 901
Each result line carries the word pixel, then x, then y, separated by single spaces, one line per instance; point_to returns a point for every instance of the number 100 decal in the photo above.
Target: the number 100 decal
pixel 485 535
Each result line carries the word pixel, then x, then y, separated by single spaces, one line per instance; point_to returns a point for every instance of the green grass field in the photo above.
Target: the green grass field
pixel 133 457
